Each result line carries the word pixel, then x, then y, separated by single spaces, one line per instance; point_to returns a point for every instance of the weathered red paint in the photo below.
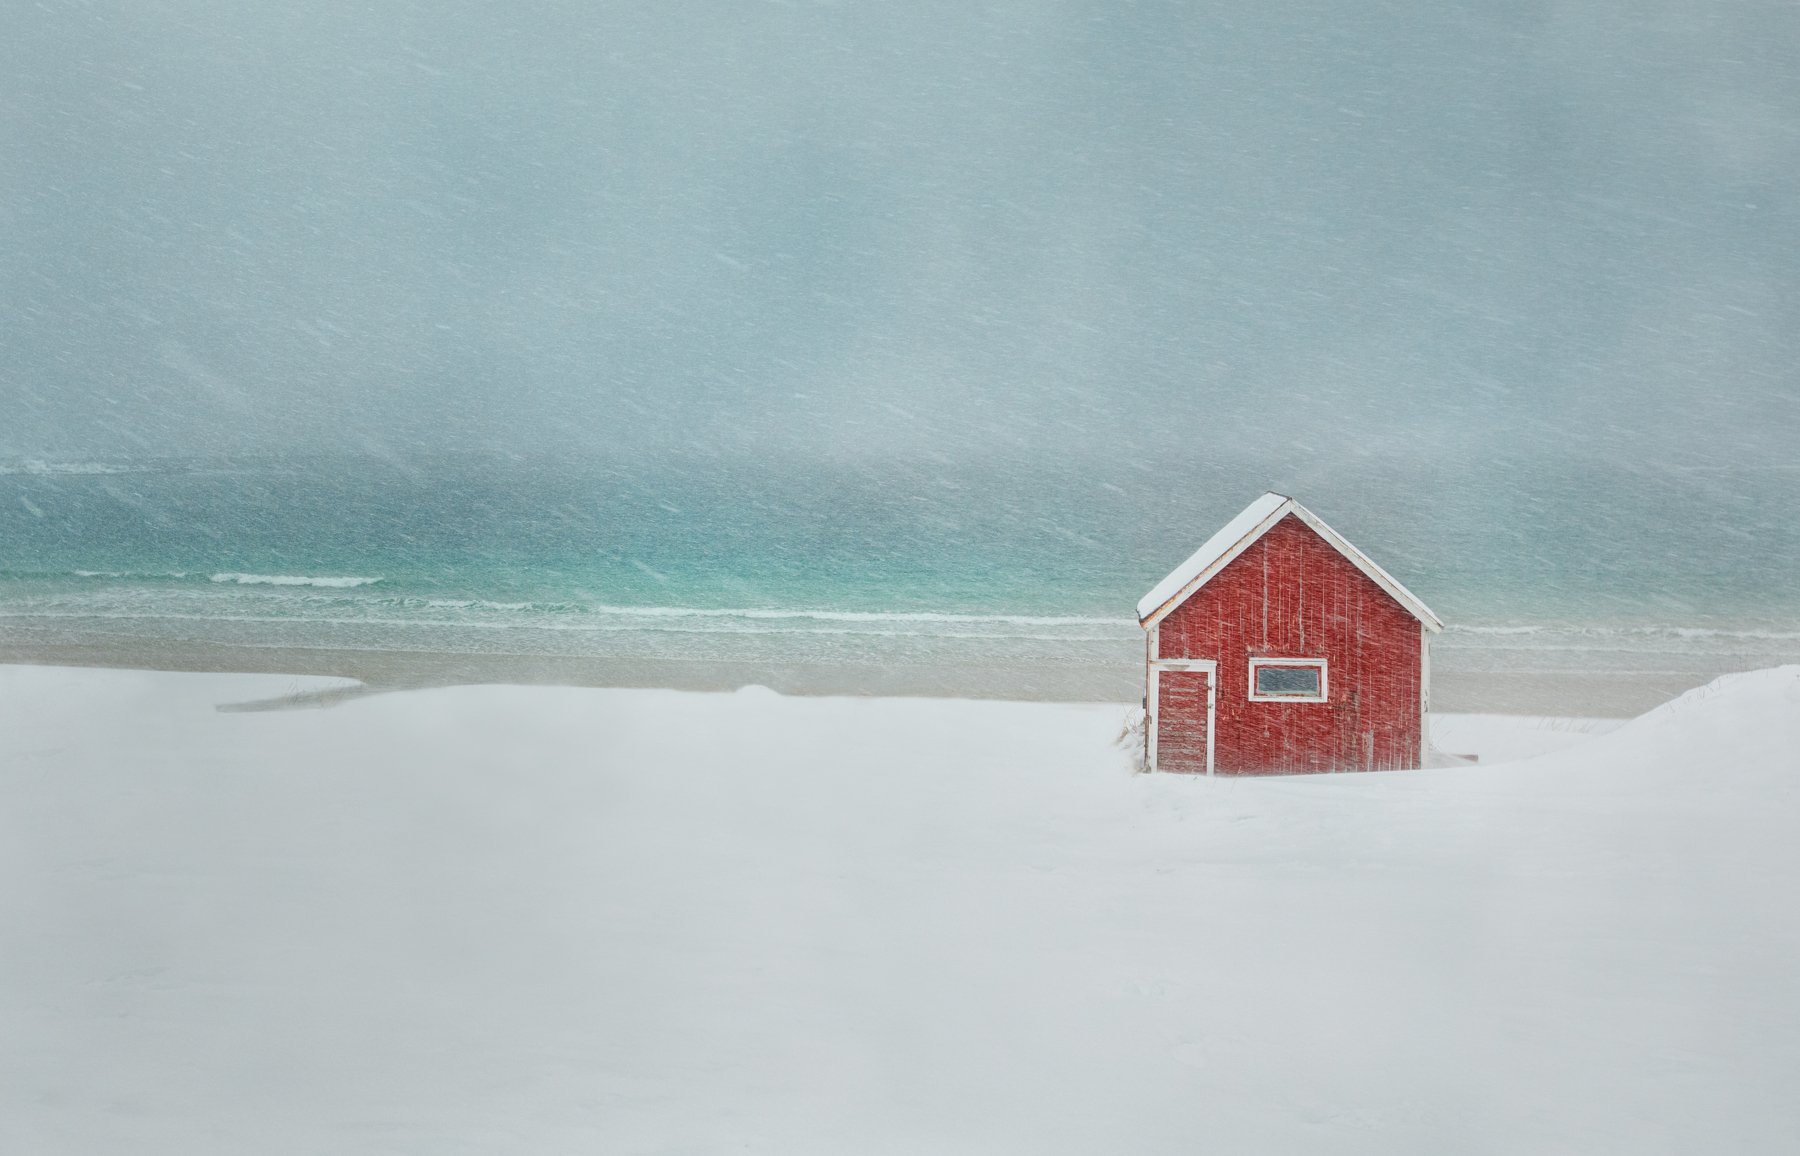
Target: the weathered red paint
pixel 1181 709
pixel 1291 595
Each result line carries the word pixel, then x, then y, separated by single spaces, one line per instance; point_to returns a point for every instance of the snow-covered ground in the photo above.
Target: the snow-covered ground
pixel 1499 738
pixel 543 920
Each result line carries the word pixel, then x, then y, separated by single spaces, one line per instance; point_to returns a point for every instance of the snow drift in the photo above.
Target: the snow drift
pixel 561 920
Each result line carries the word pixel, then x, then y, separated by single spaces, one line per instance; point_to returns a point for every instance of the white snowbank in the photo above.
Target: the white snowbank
pixel 558 920
pixel 1500 738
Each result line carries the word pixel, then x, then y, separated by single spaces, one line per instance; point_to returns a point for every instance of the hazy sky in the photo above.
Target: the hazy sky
pixel 865 229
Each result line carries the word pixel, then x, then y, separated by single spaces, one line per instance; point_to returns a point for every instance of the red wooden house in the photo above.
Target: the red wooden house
pixel 1279 647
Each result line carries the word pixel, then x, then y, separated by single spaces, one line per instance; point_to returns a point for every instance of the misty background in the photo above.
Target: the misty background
pixel 1501 290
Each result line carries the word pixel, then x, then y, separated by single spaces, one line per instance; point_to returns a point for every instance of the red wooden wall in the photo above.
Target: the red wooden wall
pixel 1290 595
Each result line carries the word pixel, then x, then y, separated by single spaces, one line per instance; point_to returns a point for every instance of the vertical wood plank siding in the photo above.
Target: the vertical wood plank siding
pixel 1290 595
pixel 1181 721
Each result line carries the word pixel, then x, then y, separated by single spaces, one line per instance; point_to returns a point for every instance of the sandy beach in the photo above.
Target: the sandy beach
pixel 1603 694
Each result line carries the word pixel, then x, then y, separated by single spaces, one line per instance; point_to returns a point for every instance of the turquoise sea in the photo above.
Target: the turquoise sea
pixel 1533 565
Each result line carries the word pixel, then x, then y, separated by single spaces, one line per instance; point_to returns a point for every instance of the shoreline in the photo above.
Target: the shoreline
pixel 1589 694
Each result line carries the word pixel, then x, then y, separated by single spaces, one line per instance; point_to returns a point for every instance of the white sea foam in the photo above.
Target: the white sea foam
pixel 571 625
pixel 873 616
pixel 292 580
pixel 1625 632
pixel 324 598
pixel 675 614
pixel 129 573
pixel 41 468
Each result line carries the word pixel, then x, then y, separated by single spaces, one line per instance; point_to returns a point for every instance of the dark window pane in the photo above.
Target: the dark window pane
pixel 1296 680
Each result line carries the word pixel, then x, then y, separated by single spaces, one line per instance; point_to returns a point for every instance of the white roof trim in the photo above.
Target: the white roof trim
pixel 1233 539
pixel 1239 534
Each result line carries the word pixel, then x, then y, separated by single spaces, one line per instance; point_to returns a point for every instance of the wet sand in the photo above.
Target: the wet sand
pixel 1524 692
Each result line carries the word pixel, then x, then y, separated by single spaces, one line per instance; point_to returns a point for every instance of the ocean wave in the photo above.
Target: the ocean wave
pixel 302 597
pixel 322 596
pixel 868 616
pixel 42 468
pixel 1690 633
pixel 388 601
pixel 564 625
pixel 293 580
pixel 129 573
pixel 473 604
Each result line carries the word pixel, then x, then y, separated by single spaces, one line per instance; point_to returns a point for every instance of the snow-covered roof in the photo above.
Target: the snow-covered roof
pixel 1239 534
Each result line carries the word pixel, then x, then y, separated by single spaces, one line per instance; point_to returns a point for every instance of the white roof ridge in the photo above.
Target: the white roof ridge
pixel 1239 534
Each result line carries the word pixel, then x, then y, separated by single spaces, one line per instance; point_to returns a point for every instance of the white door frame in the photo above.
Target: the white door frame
pixel 1205 665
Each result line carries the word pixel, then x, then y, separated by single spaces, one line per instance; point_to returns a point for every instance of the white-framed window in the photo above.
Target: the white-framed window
pixel 1289 680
